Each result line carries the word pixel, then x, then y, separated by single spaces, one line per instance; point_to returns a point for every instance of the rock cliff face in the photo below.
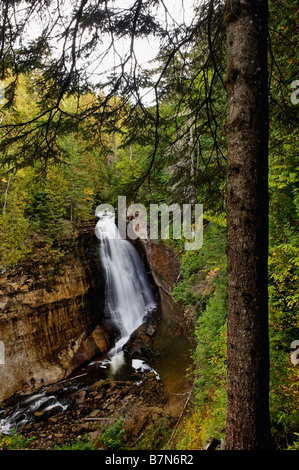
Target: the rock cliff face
pixel 164 267
pixel 164 263
pixel 51 309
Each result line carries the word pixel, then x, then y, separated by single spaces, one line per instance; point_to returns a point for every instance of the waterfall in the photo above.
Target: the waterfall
pixel 128 296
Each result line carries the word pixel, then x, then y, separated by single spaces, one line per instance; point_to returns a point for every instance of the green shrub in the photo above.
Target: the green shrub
pixel 111 438
pixel 15 441
pixel 78 444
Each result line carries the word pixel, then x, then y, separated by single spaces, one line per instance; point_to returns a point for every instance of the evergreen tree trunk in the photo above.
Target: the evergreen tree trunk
pixel 248 423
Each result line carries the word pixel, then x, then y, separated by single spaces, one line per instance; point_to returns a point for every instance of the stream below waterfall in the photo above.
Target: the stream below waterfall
pixel 58 397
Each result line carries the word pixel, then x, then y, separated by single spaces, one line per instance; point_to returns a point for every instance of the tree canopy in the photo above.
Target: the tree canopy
pixel 66 55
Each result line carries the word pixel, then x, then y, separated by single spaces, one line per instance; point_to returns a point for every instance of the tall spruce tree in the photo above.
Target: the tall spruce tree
pixel 248 423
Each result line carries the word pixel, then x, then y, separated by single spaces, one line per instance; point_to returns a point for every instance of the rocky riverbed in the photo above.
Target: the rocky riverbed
pixel 139 407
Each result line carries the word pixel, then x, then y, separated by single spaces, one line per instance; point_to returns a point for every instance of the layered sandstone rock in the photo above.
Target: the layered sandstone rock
pixel 164 263
pixel 48 308
pixel 165 269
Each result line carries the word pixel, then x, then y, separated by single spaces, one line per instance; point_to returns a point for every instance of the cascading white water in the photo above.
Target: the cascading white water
pixel 128 296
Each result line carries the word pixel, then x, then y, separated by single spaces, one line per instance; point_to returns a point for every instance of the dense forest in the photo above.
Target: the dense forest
pixel 68 145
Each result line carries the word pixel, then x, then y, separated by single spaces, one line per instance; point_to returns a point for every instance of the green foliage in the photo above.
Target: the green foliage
pixel 45 208
pixel 49 202
pixel 209 356
pixel 283 222
pixel 14 226
pixel 198 267
pixel 13 232
pixel 191 434
pixel 111 437
pixel 210 361
pixel 295 445
pixel 15 441
pixel 79 444
pixel 155 435
pixel 203 290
